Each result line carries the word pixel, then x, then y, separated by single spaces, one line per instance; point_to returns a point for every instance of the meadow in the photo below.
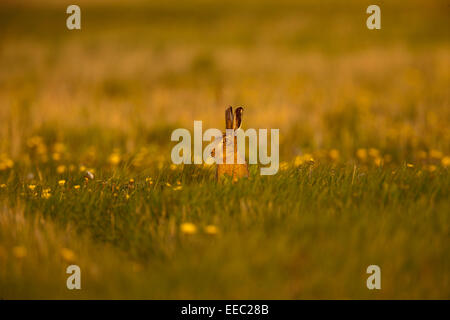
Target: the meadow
pixel 86 176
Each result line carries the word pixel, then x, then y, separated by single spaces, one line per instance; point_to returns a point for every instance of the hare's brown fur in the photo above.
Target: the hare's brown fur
pixel 234 170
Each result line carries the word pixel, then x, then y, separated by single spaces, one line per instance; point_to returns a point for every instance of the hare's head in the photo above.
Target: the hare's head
pixel 233 121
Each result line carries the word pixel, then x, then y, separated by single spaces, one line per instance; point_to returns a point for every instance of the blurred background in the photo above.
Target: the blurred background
pixel 137 70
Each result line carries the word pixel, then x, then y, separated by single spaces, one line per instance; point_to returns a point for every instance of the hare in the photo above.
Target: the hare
pixel 235 170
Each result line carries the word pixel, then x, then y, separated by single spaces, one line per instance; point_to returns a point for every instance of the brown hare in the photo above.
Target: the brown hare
pixel 234 170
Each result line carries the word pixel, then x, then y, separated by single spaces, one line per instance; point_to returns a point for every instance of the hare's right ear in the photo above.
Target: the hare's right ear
pixel 238 118
pixel 229 118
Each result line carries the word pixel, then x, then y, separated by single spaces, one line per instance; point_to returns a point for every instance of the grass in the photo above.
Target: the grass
pixel 364 147
pixel 308 232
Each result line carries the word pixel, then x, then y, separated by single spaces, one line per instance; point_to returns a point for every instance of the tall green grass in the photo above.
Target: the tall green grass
pixel 308 232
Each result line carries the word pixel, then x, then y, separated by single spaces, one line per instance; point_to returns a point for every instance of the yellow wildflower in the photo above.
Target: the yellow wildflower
pixel 284 165
pixel 46 193
pixel 61 169
pixel 378 161
pixel 68 255
pixel 361 154
pixel 445 161
pixel 59 147
pixel 188 228
pixel 210 229
pixel 308 157
pixel 9 163
pixel 374 153
pixel 114 158
pixel 422 154
pixel 62 182
pixel 56 156
pixel 436 154
pixel 6 164
pixel 298 161
pixel 31 187
pixel 20 252
pixel 334 154
pixel 76 187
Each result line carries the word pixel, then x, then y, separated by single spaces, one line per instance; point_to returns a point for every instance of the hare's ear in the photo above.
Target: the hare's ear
pixel 238 118
pixel 229 118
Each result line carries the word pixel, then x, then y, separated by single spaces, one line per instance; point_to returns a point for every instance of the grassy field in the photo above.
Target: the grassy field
pixel 85 171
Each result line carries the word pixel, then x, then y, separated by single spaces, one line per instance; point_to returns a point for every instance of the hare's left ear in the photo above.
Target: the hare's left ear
pixel 229 118
pixel 238 118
